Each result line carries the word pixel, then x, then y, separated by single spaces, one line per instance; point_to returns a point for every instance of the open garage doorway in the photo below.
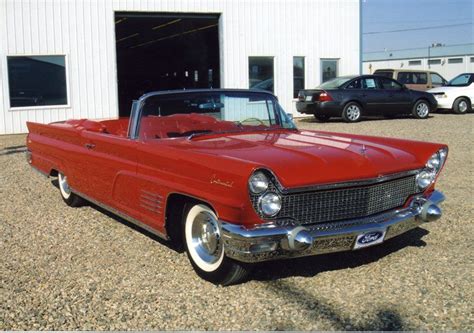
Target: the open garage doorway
pixel 162 51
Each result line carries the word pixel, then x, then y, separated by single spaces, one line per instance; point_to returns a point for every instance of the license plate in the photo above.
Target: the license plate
pixel 309 98
pixel 369 238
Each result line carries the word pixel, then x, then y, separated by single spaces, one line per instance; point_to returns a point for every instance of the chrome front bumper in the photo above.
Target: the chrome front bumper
pixel 270 241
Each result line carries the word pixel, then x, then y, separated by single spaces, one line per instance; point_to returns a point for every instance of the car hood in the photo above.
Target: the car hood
pixel 304 158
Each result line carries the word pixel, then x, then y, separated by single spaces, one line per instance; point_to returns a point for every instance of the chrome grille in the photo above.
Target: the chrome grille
pixel 344 203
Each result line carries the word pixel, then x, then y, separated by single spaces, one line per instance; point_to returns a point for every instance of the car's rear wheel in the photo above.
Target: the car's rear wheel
pixel 70 198
pixel 321 117
pixel 352 112
pixel 421 109
pixel 205 247
pixel 461 105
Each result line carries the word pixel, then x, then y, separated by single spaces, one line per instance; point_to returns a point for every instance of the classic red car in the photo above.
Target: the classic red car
pixel 227 174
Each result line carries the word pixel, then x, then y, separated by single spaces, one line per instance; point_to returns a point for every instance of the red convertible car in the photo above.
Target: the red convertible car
pixel 226 174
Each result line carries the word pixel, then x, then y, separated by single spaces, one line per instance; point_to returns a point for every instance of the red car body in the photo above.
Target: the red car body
pixel 139 177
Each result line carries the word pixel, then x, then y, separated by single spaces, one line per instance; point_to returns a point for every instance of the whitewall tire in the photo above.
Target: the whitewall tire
pixel 70 198
pixel 205 247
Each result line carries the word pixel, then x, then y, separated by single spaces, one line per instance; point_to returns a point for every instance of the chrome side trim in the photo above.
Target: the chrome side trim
pixel 330 186
pixel 122 215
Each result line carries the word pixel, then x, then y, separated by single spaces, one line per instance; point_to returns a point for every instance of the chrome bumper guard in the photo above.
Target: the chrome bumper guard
pixel 271 241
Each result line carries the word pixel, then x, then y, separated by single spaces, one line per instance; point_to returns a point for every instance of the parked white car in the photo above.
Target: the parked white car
pixel 457 95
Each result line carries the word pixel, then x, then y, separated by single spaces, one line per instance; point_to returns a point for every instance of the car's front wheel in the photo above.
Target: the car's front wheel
pixel 205 247
pixel 461 105
pixel 70 198
pixel 352 112
pixel 421 109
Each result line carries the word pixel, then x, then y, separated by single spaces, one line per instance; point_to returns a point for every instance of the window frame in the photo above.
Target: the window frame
pixel 39 107
pixel 274 59
pixel 458 60
pixel 414 62
pixel 321 60
pixel 304 75
pixel 382 87
pixel 443 81
pixel 434 62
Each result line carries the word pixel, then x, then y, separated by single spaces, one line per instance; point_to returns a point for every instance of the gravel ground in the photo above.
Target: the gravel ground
pixel 63 268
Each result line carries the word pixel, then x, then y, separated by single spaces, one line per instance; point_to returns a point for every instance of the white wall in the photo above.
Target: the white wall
pixel 84 30
pixel 445 69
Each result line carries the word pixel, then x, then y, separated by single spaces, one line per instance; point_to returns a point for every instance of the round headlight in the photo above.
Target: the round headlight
pixel 443 152
pixel 425 178
pixel 270 204
pixel 258 182
pixel 434 162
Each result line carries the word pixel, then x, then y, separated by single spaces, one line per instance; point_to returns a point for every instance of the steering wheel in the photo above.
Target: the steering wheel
pixel 251 119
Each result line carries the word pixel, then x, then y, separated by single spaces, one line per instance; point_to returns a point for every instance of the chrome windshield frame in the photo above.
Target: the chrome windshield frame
pixel 137 106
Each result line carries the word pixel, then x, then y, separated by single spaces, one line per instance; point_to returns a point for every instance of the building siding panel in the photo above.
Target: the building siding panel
pixel 84 31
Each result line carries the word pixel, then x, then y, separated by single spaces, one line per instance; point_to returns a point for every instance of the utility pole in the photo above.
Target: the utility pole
pixel 433 45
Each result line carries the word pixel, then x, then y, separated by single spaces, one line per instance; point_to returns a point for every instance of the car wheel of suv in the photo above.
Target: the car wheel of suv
pixel 205 247
pixel 321 117
pixel 421 109
pixel 352 112
pixel 461 105
pixel 70 198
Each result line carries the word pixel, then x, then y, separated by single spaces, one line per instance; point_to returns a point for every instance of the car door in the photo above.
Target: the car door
pixel 372 95
pixel 397 98
pixel 110 171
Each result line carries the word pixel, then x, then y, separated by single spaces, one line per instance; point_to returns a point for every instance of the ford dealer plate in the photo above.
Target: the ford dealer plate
pixel 369 239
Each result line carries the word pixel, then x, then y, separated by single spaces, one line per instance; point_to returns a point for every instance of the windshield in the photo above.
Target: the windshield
pixel 461 80
pixel 336 83
pixel 204 112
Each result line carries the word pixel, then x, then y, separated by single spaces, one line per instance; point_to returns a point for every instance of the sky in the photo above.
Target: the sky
pixel 448 22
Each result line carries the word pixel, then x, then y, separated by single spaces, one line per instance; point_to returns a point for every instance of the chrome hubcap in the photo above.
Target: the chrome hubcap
pixel 353 112
pixel 462 106
pixel 206 239
pixel 63 184
pixel 422 110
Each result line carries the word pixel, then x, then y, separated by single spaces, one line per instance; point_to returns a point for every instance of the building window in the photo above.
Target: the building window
pixel 328 69
pixel 37 80
pixel 298 75
pixel 472 59
pixel 455 61
pixel 414 63
pixel 434 62
pixel 261 73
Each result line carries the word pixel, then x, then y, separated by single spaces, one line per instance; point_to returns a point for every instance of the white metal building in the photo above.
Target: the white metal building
pixel 448 61
pixel 88 59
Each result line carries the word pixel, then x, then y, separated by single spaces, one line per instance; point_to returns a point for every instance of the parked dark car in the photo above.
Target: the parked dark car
pixel 352 97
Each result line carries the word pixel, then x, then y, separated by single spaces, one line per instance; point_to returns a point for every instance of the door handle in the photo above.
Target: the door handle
pixel 89 145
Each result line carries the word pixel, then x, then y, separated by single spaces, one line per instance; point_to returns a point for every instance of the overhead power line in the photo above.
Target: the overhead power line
pixel 418 48
pixel 421 28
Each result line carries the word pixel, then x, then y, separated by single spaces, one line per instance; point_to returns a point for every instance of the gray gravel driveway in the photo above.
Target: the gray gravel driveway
pixel 63 268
